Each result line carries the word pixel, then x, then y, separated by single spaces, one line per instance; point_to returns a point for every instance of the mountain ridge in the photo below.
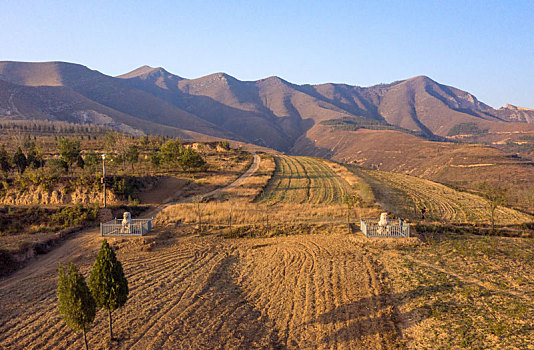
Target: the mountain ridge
pixel 270 112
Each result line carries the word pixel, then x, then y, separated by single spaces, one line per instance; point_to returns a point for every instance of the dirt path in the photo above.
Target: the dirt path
pixel 295 292
pixel 253 168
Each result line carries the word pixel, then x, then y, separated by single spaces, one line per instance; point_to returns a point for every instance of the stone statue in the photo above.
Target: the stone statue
pixel 126 222
pixel 383 223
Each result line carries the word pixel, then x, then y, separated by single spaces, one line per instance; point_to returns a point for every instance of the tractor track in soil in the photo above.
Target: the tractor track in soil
pixel 317 291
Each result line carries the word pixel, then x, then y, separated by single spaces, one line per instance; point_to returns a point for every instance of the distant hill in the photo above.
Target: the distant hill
pixel 107 95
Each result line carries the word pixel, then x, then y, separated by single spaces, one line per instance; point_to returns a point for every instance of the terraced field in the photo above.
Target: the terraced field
pixel 304 180
pixel 404 194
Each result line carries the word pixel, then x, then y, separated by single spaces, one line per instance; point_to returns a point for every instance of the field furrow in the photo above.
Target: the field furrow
pixel 304 180
pixel 409 194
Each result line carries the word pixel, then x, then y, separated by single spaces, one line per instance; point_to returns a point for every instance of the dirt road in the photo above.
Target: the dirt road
pixel 253 167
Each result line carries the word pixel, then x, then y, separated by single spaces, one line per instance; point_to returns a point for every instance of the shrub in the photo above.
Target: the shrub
pixel 58 165
pixel 69 151
pixel 224 145
pixel 76 215
pixel 466 129
pixel 171 151
pixel 20 161
pixel 124 186
pixel 191 159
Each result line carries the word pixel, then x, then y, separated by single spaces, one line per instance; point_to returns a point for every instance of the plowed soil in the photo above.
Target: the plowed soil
pixel 317 291
pixel 304 180
pixel 405 195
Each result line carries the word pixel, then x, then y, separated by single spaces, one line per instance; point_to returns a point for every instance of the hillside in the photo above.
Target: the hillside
pixel 457 164
pixel 389 126
pixel 102 90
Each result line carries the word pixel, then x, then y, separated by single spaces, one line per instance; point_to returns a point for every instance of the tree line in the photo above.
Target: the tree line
pixel 121 149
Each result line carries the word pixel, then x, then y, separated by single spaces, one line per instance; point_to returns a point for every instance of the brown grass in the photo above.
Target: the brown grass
pixel 241 213
pixel 467 292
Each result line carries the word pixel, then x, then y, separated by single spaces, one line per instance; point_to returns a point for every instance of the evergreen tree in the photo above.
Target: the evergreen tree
pixel 34 157
pixel 69 150
pixel 76 304
pixel 5 164
pixel 108 283
pixel 191 159
pixel 155 160
pixel 20 161
pixel 171 151
pixel 92 161
pixel 80 163
pixel 132 155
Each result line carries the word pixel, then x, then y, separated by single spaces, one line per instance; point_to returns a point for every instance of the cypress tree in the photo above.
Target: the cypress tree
pixel 108 283
pixel 76 304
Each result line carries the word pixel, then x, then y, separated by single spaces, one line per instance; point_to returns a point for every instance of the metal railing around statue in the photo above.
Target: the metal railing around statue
pixel 116 227
pixel 371 228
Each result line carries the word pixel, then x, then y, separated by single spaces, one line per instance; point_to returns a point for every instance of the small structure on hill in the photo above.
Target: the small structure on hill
pixel 384 228
pixel 126 226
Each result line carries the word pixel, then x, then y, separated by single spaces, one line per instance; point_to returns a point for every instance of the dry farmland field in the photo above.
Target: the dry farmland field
pixel 304 180
pixel 325 290
pixel 405 194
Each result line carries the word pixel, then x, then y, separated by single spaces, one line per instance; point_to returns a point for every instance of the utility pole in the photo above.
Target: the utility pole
pixel 104 176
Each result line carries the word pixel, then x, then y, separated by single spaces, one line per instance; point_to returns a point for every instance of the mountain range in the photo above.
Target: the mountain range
pixel 270 112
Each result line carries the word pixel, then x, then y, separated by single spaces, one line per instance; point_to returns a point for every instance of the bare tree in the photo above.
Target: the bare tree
pixel 350 200
pixel 495 196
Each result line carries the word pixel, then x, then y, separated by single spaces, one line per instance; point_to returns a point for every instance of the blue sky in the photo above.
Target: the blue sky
pixel 484 47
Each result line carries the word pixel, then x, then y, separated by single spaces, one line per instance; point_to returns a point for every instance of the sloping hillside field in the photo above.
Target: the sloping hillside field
pixel 208 293
pixel 322 291
pixel 304 180
pixel 406 195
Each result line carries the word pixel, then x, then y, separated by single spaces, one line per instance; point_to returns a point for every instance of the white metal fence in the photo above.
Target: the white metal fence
pixel 370 228
pixel 138 227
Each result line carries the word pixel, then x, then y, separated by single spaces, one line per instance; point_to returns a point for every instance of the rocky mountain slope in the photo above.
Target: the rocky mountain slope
pixel 269 112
